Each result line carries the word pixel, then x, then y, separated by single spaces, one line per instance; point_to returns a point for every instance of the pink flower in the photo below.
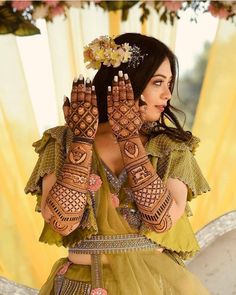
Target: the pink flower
pixel 94 182
pixel 51 3
pixel 115 200
pixel 99 291
pixel 21 5
pixel 58 10
pixel 172 5
pixel 221 12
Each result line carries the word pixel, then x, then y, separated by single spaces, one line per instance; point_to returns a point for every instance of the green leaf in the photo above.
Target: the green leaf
pixel 116 5
pixel 9 21
pixel 125 14
pixel 26 28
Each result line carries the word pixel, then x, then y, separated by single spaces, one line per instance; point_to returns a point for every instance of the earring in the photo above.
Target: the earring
pixel 149 127
pixel 142 101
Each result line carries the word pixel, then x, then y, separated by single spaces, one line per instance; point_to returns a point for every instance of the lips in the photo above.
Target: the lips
pixel 161 107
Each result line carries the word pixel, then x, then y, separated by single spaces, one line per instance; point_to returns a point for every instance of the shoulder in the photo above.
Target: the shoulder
pixel 163 144
pixel 57 135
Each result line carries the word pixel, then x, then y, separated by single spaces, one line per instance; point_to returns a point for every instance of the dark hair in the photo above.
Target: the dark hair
pixel 154 52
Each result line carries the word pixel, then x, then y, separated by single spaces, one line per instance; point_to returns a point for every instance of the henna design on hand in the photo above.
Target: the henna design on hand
pixel 68 197
pixel 124 117
pixel 82 113
pixel 151 195
pixel 131 149
pixel 77 155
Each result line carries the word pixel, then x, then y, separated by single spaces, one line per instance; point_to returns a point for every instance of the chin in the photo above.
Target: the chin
pixel 152 119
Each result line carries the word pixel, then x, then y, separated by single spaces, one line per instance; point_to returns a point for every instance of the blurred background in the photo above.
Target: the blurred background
pixel 37 66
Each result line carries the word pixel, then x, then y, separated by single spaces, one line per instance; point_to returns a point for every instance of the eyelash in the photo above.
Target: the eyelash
pixel 161 81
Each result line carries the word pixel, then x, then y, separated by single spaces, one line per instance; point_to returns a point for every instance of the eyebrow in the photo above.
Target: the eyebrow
pixel 160 75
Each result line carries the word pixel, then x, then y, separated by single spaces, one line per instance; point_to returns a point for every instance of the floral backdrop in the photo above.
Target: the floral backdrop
pixel 19 17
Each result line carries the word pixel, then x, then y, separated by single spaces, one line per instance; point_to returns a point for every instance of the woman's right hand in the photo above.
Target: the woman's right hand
pixel 81 113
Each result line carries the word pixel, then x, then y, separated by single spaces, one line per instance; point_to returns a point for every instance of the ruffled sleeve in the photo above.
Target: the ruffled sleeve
pixel 52 149
pixel 174 159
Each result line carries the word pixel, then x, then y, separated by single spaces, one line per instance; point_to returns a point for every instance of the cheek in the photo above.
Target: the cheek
pixel 151 96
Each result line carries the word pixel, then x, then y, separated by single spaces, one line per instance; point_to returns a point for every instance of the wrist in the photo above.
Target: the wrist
pixel 79 139
pixel 132 149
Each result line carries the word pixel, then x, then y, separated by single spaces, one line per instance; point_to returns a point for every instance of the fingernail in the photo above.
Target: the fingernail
pixel 109 88
pixel 75 80
pixel 126 76
pixel 116 79
pixel 81 77
pixel 88 80
pixel 120 73
pixel 64 98
pixel 93 88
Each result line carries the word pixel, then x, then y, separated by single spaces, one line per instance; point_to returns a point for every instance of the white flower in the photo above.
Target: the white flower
pixel 40 12
pixel 104 50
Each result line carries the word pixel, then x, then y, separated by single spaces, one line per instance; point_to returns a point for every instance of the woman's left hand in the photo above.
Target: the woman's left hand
pixel 123 113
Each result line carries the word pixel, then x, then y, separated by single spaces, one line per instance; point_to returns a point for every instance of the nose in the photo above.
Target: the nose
pixel 166 93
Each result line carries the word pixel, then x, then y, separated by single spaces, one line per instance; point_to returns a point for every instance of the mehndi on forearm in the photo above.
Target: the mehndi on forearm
pixel 68 197
pixel 150 193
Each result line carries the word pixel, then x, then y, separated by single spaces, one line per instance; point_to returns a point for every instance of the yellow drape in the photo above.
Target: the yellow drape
pixel 22 257
pixel 215 122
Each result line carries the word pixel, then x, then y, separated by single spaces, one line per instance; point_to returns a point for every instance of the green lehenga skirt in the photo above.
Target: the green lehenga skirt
pixel 134 273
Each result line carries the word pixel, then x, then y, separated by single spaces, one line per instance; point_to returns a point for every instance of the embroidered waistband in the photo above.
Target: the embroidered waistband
pixel 113 244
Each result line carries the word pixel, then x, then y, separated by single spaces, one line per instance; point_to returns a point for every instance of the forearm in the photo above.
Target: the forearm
pixel 68 197
pixel 151 195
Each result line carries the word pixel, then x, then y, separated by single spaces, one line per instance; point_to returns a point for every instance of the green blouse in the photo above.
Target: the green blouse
pixel 170 158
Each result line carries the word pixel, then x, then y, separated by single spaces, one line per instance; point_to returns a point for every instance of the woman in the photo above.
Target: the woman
pixel 113 184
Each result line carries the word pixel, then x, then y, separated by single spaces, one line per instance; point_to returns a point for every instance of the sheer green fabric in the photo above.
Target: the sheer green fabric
pixel 142 272
pixel 139 273
pixel 171 159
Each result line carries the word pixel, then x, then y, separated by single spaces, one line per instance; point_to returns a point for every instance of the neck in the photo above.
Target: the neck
pixel 104 128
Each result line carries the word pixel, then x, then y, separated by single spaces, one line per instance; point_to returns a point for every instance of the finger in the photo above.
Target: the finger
pixel 129 89
pixel 88 90
pixel 74 91
pixel 66 107
pixel 115 89
pixel 80 89
pixel 94 97
pixel 109 100
pixel 122 88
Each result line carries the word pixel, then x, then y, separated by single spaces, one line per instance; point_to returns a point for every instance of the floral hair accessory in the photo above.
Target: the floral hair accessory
pixel 104 50
pixel 94 182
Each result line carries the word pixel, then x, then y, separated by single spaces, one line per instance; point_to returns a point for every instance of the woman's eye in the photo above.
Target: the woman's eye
pixel 158 83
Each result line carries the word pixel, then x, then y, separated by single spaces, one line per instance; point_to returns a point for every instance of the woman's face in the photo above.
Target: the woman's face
pixel 157 92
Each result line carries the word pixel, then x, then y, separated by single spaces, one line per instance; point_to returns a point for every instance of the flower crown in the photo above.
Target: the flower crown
pixel 104 50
